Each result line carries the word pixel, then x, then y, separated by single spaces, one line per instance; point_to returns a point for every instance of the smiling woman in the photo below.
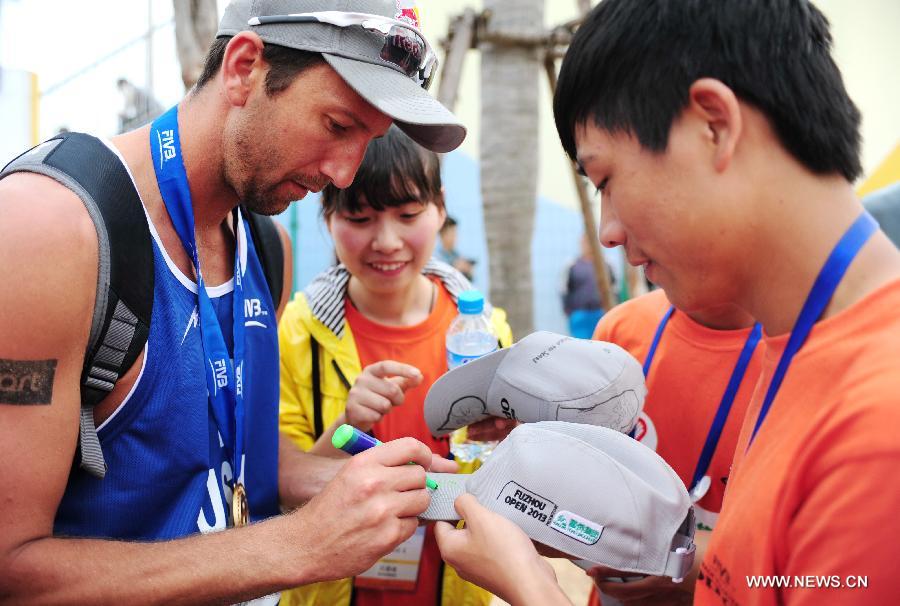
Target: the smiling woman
pixel 367 336
pixel 385 227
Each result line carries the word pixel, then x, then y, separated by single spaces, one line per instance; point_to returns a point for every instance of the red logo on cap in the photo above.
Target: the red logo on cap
pixel 645 431
pixel 407 11
pixel 640 430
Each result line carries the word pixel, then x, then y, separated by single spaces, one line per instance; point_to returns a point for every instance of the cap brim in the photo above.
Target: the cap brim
pixel 459 397
pixel 234 20
pixel 450 486
pixel 415 112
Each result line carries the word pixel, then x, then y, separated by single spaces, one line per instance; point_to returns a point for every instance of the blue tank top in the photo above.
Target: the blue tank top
pixel 168 475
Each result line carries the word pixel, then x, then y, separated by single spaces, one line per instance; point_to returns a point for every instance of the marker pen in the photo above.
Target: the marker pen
pixel 353 441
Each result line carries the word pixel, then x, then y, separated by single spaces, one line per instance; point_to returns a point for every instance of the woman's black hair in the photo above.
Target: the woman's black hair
pixel 395 171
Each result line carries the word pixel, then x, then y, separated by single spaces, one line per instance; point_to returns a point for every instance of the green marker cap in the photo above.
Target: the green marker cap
pixel 346 436
pixel 342 435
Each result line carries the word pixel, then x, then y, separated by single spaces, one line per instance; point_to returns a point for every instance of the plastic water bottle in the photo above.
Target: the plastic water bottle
pixel 469 336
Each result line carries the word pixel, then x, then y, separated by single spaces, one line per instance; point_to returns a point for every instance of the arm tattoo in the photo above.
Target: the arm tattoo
pixel 26 382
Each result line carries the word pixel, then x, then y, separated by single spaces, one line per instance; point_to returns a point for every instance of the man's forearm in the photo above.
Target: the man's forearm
pixel 221 567
pixel 302 475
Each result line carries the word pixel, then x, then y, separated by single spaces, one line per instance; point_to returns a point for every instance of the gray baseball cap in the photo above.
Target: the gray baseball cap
pixel 543 377
pixel 355 54
pixel 587 491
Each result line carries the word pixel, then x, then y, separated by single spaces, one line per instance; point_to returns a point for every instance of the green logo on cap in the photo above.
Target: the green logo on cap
pixel 576 527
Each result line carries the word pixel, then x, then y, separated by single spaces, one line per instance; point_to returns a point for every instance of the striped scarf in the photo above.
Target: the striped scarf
pixel 325 294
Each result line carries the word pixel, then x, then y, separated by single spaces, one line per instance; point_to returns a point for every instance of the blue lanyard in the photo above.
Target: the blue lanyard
pixel 823 289
pixel 659 333
pixel 734 383
pixel 224 381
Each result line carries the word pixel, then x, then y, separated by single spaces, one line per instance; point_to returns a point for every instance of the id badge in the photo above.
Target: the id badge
pixel 399 569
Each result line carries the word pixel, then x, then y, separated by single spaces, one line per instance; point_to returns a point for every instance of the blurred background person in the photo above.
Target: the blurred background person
pixel 447 252
pixel 581 301
pixel 139 106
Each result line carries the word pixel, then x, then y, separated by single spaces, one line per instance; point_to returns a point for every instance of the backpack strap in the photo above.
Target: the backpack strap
pixel 270 251
pixel 124 295
pixel 125 274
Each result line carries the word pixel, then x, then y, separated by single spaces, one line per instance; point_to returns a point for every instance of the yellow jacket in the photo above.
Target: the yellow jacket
pixel 339 365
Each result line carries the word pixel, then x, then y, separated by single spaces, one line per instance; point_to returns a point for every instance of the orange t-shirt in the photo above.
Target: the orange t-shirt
pixel 688 376
pixel 816 497
pixel 423 346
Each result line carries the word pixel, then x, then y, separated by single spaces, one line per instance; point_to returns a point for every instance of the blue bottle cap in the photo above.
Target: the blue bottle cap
pixel 471 302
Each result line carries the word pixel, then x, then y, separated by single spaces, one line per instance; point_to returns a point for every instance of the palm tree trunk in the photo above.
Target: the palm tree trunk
pixel 196 22
pixel 510 81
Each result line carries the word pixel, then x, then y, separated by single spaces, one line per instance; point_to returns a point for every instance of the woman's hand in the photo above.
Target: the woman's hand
pixel 378 388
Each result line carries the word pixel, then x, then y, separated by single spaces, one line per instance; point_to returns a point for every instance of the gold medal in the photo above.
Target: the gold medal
pixel 240 509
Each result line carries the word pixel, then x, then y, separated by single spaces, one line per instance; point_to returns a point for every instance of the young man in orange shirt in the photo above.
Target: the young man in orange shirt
pixel 701 369
pixel 725 146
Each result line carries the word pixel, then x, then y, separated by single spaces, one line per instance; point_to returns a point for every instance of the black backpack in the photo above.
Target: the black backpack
pixel 125 278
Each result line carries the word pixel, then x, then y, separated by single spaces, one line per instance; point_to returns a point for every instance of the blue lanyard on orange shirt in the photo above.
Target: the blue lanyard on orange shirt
pixel 224 379
pixel 822 290
pixel 718 423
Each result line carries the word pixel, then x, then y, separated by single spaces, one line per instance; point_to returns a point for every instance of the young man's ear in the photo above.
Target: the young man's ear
pixel 717 105
pixel 242 65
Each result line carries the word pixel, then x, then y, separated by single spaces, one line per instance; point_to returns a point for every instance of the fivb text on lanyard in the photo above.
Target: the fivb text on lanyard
pixel 224 378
